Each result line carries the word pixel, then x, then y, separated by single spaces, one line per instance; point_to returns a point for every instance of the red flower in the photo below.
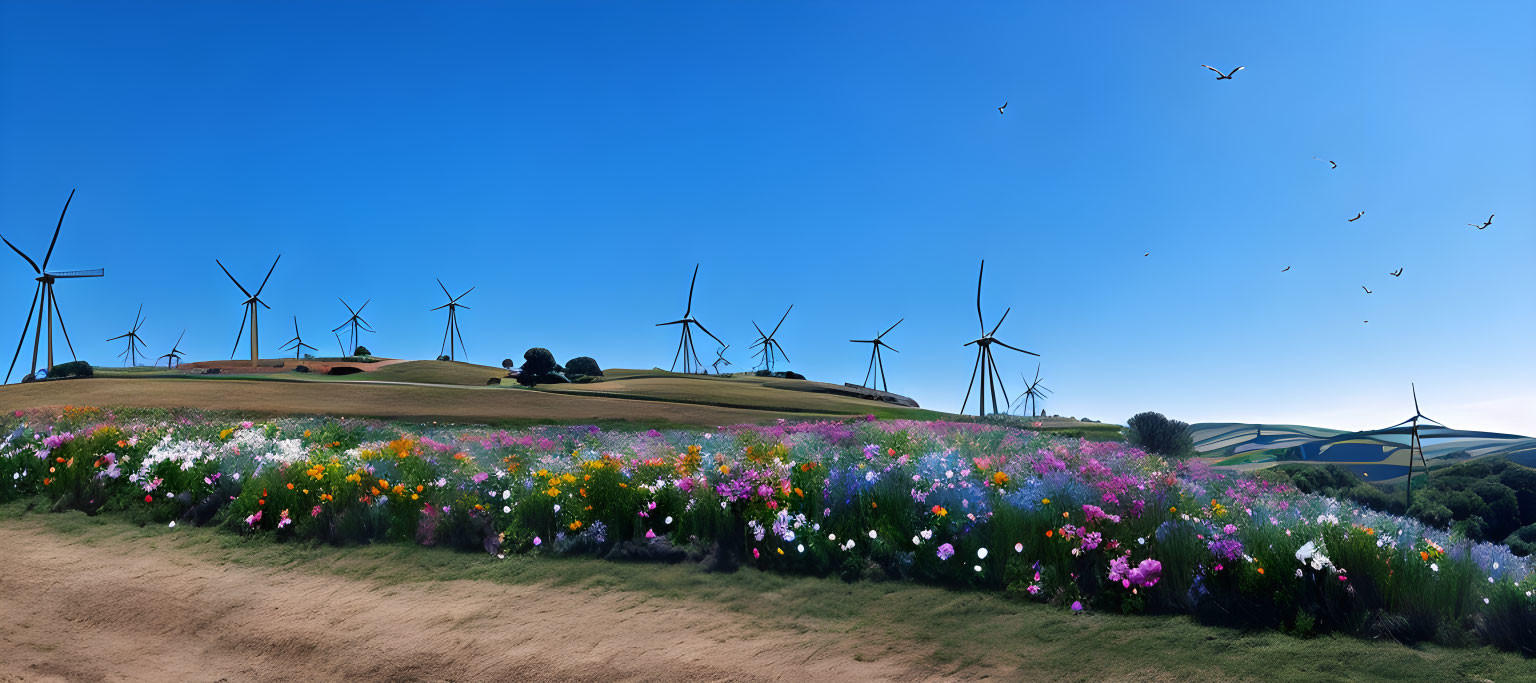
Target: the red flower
pixel 148 498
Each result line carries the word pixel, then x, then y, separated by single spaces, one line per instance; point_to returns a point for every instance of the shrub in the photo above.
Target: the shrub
pixel 583 365
pixel 1157 434
pixel 361 351
pixel 78 368
pixel 508 363
pixel 442 358
pixel 538 360
pixel 1523 541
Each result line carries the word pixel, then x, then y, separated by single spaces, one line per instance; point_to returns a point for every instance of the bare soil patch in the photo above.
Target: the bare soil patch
pixel 142 609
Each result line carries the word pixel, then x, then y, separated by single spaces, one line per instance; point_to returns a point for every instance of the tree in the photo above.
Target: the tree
pixel 538 361
pixel 508 363
pixel 1157 434
pixel 583 365
pixel 362 351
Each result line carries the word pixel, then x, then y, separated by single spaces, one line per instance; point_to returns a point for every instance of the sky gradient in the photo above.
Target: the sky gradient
pixel 575 160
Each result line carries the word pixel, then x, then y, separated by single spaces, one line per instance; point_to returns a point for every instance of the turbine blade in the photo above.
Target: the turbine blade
pixel 344 303
pixel 689 311
pixel 1015 348
pixel 781 320
pixel 888 329
pixel 706 331
pixel 232 278
pixel 1415 389
pixel 780 347
pixel 35 269
pixel 240 333
pixel 365 305
pixel 979 319
pixel 56 229
pixel 889 347
pixel 466 293
pixel 1006 311
pixel 269 276
pixel 434 309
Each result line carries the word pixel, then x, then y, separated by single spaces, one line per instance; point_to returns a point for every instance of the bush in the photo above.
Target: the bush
pixel 1157 434
pixel 583 365
pixel 508 363
pixel 442 358
pixel 361 351
pixel 78 368
pixel 538 360
pixel 1523 541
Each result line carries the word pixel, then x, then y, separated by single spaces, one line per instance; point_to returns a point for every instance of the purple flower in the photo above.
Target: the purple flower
pixel 1077 606
pixel 1148 573
pixel 481 477
pixel 946 551
pixel 1118 569
pixel 1227 548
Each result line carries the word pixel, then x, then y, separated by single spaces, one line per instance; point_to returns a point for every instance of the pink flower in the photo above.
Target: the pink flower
pixel 253 519
pixel 756 554
pixel 315 512
pixel 650 534
pixel 946 551
pixel 537 541
pixel 481 477
pixel 1077 606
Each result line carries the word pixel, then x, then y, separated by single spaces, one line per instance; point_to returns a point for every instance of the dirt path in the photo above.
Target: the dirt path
pixel 131 609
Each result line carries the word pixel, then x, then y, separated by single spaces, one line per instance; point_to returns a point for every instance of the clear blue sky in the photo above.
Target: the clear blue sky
pixel 574 160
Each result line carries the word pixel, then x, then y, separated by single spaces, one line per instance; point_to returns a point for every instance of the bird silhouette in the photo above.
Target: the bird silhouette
pixel 1147 254
pixel 1485 223
pixel 1331 164
pixel 1357 217
pixel 1399 272
pixel 1286 268
pixel 1367 291
pixel 1000 109
pixel 1223 76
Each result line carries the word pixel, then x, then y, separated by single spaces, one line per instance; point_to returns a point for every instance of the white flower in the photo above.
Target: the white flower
pixel 557 507
pixel 505 494
pixel 869 476
pixel 1434 566
pixel 1018 547
pixel 1490 579
pixel 506 508
pixel 1141 540
pixel 981 553
pixel 1485 601
pixel 872 535
pixel 669 519
pixel 800 547
pixel 949 474
pixel 1495 565
pixel 926 534
pixel 173 525
pixel 978 567
pixel 831 537
pixel 917 540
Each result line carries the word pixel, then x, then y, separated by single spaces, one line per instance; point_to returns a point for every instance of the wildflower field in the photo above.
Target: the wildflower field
pixel 1085 526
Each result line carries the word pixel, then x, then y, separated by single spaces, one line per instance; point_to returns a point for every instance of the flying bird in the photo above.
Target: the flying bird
pixel 1223 76
pixel 1000 109
pixel 1286 268
pixel 1331 164
pixel 1367 291
pixel 1357 217
pixel 1485 223
pixel 1399 272
pixel 1147 254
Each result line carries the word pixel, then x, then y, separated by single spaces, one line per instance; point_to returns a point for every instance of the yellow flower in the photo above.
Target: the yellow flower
pixel 1045 501
pixel 552 492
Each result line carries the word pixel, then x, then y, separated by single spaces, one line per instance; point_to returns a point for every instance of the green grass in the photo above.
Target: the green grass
pixel 739 391
pixel 957 633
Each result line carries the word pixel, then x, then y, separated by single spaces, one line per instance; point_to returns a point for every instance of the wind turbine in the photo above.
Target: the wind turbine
pixel 356 322
pixel 1415 444
pixel 173 358
pixel 297 342
pixel 875 363
pixel 250 309
pixel 768 343
pixel 986 367
pixel 1033 392
pixel 49 306
pixel 452 332
pixel 720 358
pixel 131 354
pixel 685 343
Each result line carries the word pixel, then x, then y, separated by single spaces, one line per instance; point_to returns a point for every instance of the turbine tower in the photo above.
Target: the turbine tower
pixel 768 343
pixel 49 305
pixel 452 332
pixel 986 367
pixel 875 363
pixel 250 310
pixel 685 347
pixel 297 342
pixel 173 358
pixel 356 322
pixel 130 355
pixel 1415 444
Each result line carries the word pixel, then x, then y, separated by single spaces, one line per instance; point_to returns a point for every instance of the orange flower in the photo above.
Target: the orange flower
pixel 999 478
pixel 290 486
pixel 940 511
pixel 1261 571
pixel 1049 533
